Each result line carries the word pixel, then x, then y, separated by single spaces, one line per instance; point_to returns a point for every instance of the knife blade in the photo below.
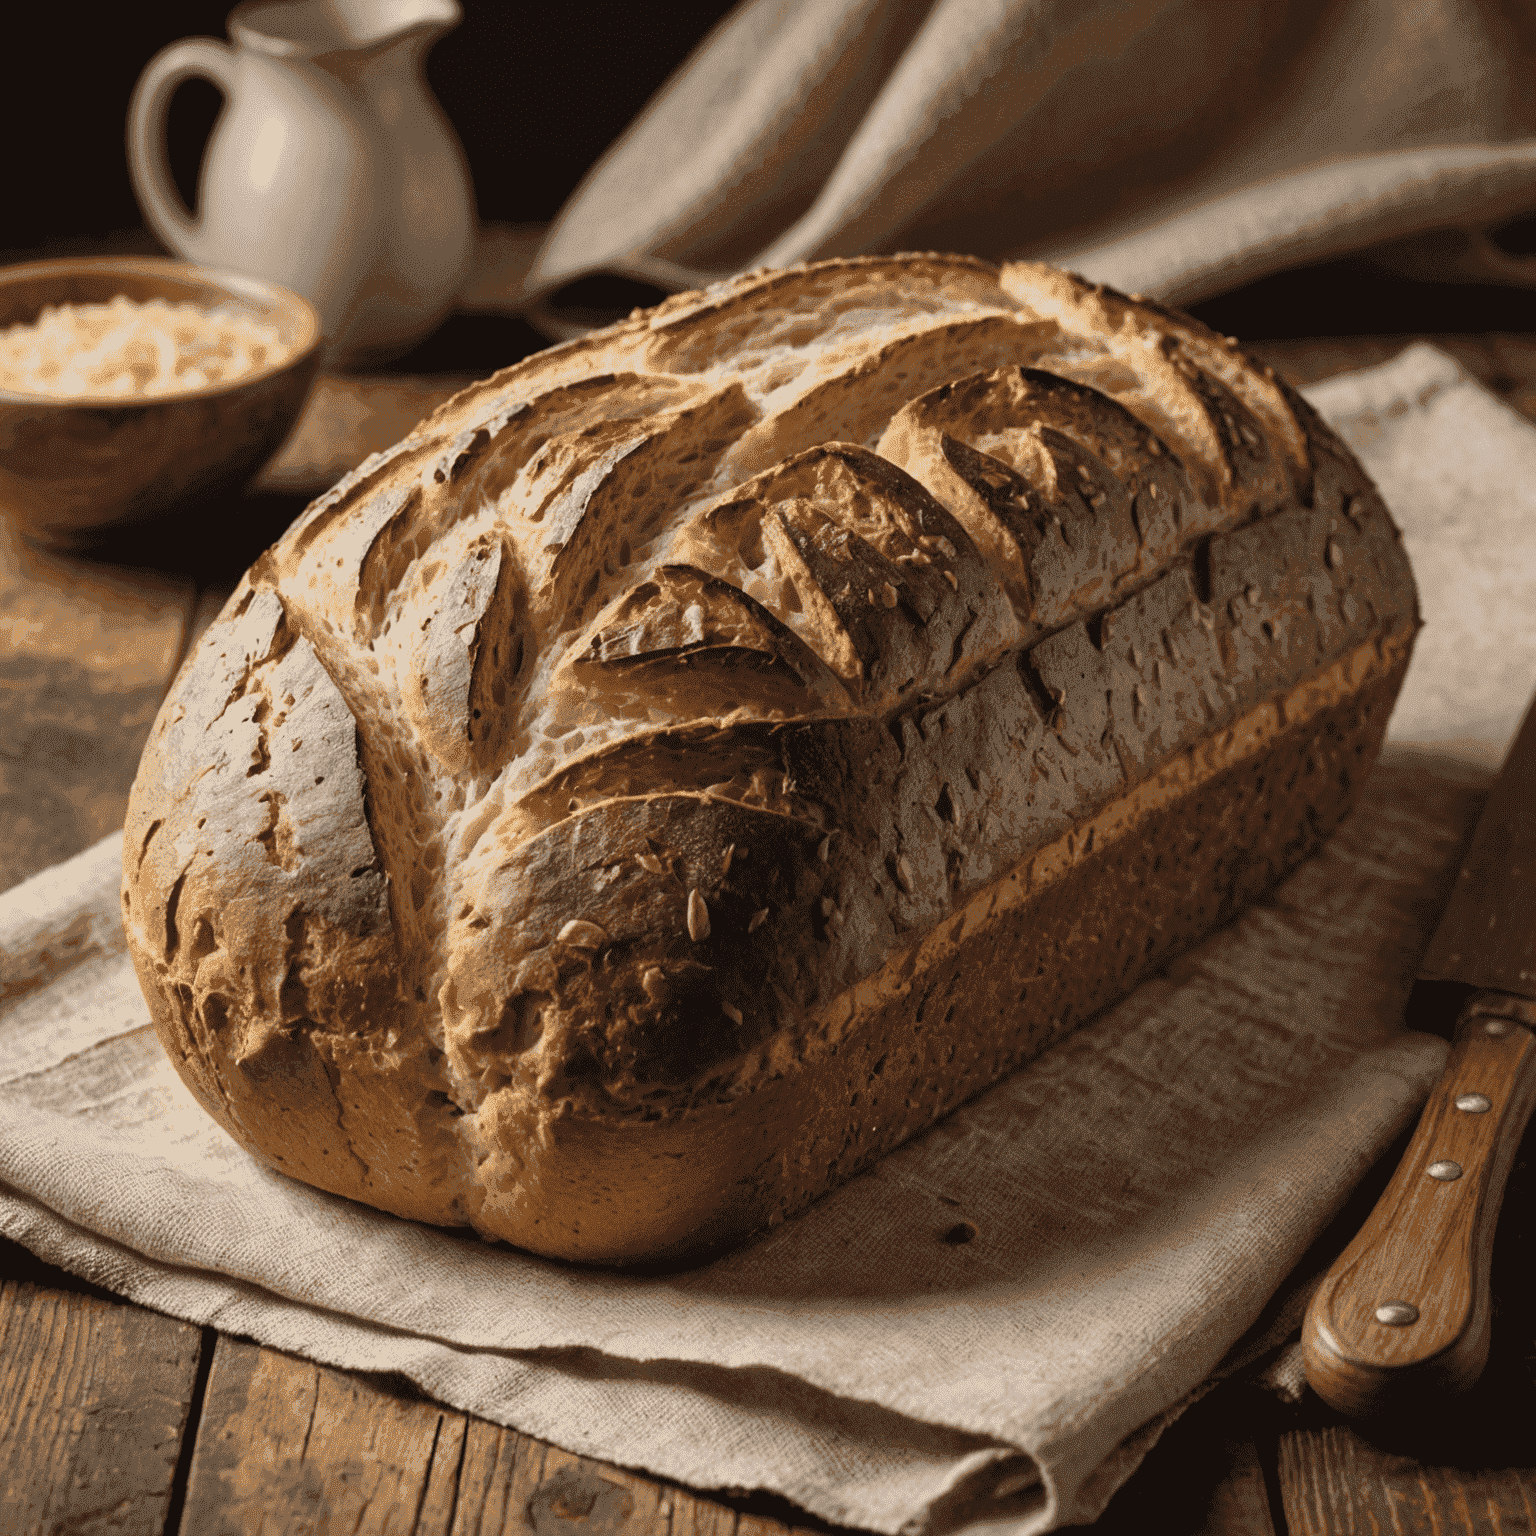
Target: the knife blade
pixel 1405 1310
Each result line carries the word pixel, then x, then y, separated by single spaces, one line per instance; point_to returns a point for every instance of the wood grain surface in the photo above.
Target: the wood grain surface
pixel 95 1398
pixel 85 653
pixel 119 1420
pixel 287 1446
pixel 1339 1484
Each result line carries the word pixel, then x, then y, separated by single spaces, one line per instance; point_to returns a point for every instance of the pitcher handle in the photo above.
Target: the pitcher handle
pixel 149 165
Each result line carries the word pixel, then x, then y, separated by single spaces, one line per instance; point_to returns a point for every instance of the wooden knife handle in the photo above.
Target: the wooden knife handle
pixel 1404 1312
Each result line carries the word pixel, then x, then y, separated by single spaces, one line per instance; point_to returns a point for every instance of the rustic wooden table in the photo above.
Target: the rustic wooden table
pixel 118 1419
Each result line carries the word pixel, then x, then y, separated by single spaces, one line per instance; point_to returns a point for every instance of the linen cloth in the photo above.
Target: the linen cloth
pixel 1132 1201
pixel 1174 147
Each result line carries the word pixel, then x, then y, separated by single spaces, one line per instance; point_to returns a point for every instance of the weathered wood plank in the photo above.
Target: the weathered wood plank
pixel 287 1447
pixel 1337 1483
pixel 86 652
pixel 440 1499
pixel 575 1495
pixel 94 1397
pixel 692 1516
pixel 511 1484
pixel 497 1481
pixel 94 1393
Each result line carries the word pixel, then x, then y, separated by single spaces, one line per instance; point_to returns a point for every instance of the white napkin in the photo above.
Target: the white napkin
pixel 1174 147
pixel 1136 1196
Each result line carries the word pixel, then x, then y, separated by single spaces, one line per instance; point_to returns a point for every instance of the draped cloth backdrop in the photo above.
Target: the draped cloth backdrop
pixel 1174 147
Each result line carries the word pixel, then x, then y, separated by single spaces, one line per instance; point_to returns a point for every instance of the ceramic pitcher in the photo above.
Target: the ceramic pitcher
pixel 331 170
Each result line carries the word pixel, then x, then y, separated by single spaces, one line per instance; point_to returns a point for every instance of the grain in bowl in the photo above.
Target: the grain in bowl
pixel 125 349
pixel 75 459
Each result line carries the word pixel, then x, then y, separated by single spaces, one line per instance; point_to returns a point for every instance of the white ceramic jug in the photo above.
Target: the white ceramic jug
pixel 331 170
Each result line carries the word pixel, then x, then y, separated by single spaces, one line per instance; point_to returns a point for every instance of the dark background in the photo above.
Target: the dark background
pixel 537 92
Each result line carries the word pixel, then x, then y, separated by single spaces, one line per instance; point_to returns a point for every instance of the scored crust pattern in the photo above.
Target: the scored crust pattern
pixel 561 816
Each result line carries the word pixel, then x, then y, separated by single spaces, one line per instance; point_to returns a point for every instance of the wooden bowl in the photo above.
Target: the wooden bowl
pixel 71 468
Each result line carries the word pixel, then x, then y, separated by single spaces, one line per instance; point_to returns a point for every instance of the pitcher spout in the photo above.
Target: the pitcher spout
pixel 316 28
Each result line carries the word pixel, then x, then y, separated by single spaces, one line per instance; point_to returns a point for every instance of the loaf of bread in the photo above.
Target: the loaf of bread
pixel 706 753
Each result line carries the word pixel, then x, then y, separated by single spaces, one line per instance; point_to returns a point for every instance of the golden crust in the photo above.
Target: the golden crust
pixel 569 825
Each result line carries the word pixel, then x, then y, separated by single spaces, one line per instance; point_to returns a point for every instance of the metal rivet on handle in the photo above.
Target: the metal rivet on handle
pixel 1397 1314
pixel 1444 1170
pixel 1473 1103
pixel 1497 1028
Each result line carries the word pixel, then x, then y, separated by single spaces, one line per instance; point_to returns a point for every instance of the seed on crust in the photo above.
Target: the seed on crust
pixel 731 1012
pixel 904 873
pixel 757 920
pixel 580 934
pixel 698 917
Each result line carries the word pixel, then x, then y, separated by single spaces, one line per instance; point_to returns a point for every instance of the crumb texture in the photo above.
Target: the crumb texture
pixel 703 754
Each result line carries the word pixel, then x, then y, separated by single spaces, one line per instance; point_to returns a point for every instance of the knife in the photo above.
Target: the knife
pixel 1405 1310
